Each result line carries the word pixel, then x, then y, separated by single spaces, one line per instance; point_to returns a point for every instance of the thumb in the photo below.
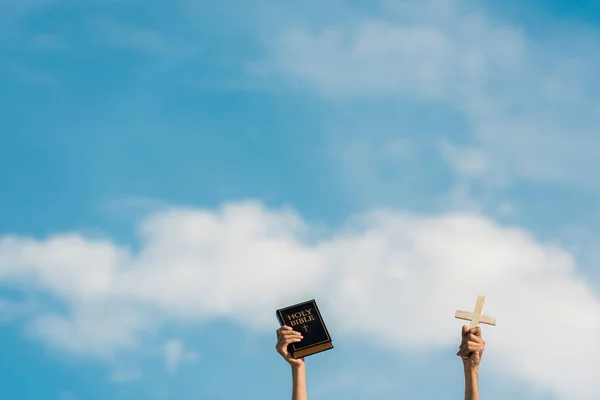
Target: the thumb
pixel 465 329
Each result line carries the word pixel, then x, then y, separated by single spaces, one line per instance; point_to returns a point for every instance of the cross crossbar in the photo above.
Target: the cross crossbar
pixel 476 316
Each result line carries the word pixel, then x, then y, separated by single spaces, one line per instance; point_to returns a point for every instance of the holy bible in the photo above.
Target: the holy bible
pixel 306 319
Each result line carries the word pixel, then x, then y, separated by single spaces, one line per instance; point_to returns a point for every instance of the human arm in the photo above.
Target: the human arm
pixel 471 350
pixel 299 382
pixel 286 336
pixel 472 383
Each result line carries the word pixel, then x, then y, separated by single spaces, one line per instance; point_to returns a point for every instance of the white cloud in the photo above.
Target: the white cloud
pixel 533 107
pixel 94 328
pixel 467 161
pixel 124 374
pixel 7 310
pixel 175 354
pixel 391 268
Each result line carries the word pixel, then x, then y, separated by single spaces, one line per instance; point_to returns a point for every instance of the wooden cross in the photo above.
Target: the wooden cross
pixel 476 316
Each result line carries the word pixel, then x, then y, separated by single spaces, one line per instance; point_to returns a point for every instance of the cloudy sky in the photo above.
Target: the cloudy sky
pixel 172 172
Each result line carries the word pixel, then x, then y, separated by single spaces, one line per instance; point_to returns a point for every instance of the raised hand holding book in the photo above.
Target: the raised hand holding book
pixel 306 319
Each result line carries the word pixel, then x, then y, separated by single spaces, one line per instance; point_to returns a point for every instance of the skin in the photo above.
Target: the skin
pixel 286 336
pixel 470 351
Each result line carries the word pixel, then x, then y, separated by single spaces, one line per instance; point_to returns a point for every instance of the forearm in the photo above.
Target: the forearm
pixel 299 383
pixel 471 383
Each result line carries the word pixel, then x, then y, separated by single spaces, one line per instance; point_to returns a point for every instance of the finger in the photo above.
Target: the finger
pixel 283 344
pixel 476 331
pixel 280 347
pixel 287 336
pixel 463 354
pixel 464 341
pixel 462 350
pixel 468 348
pixel 289 341
pixel 294 338
pixel 472 346
pixel 475 343
pixel 474 338
pixel 291 334
pixel 282 329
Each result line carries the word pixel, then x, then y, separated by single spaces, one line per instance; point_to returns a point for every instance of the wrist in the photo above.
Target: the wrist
pixel 297 366
pixel 472 370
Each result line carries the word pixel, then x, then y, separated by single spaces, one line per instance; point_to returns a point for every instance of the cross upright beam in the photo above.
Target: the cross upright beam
pixel 476 317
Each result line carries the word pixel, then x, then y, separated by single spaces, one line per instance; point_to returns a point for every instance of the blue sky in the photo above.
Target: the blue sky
pixel 168 168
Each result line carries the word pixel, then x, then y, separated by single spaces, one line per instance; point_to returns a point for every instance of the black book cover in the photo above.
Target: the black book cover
pixel 306 319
